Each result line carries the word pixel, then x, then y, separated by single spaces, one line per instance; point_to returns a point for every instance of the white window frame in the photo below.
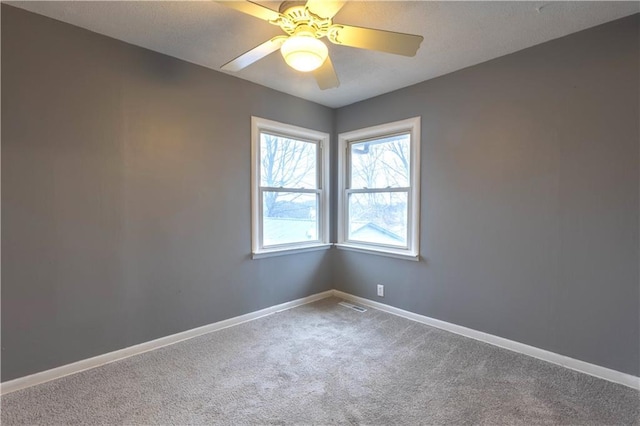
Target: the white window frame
pixel 412 250
pixel 259 125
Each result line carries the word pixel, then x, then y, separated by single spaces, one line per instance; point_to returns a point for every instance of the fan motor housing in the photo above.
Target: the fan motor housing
pixel 294 16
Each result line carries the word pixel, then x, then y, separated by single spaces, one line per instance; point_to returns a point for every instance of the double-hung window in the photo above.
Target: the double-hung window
pixel 290 188
pixel 379 179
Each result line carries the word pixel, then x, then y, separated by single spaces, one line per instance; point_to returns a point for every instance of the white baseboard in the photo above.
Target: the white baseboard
pixel 97 361
pixel 87 364
pixel 564 361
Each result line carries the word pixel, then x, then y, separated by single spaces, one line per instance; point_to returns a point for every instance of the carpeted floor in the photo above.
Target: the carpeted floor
pixel 324 364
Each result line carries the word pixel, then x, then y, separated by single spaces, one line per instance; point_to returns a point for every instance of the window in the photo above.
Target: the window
pixel 290 188
pixel 379 178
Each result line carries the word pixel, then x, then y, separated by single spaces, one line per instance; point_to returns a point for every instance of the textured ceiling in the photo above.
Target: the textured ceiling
pixel 456 35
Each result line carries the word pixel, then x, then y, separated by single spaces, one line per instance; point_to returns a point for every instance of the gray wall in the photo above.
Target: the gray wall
pixel 125 196
pixel 125 192
pixel 529 198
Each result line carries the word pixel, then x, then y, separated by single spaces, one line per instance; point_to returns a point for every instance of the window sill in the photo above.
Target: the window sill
pixel 283 252
pixel 379 252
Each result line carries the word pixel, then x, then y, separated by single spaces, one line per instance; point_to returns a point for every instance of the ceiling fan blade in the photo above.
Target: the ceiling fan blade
pixel 368 38
pixel 325 8
pixel 254 54
pixel 253 9
pixel 326 75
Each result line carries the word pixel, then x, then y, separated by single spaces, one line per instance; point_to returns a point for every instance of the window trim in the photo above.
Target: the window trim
pixel 259 125
pixel 411 126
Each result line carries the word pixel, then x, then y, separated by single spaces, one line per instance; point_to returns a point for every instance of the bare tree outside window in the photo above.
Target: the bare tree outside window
pixel 379 172
pixel 287 167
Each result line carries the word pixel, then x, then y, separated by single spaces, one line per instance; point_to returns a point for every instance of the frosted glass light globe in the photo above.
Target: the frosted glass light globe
pixel 304 53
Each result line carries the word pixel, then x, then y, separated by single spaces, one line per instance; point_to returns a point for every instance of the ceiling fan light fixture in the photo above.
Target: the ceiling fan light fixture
pixel 304 52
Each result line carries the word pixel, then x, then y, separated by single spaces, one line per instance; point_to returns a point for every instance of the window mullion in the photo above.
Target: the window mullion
pixel 261 219
pixel 376 190
pixel 282 189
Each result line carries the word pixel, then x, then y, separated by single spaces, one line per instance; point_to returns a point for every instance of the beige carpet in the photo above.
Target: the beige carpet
pixel 326 364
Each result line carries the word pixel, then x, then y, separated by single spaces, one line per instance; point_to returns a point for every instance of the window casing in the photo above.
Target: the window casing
pixel 290 188
pixel 379 183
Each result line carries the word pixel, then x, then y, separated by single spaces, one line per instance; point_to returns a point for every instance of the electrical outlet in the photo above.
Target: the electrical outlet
pixel 380 290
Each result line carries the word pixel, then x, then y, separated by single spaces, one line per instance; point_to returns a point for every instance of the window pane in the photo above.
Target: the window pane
pixel 380 163
pixel 287 163
pixel 289 218
pixel 378 218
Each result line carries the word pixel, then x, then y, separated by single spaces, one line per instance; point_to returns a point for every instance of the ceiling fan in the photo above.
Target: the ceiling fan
pixel 306 23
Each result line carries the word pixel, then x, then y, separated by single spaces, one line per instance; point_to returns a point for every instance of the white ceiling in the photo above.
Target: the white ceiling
pixel 456 35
